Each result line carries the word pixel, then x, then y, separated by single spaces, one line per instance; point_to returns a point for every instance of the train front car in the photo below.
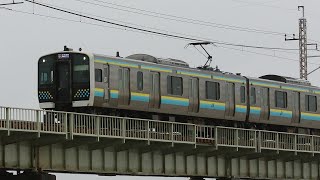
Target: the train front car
pixel 64 81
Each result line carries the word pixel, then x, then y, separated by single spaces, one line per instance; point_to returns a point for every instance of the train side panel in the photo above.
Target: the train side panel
pixel 299 107
pixel 257 112
pixel 310 109
pixel 139 86
pixel 270 103
pixel 118 88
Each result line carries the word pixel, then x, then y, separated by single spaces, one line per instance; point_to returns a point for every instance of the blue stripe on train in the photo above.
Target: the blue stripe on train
pixel 139 98
pixel 174 102
pixel 213 106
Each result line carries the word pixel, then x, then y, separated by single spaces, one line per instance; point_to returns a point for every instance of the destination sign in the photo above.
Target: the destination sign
pixel 63 56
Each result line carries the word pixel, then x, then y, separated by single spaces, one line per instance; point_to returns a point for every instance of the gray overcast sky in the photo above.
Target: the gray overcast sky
pixel 24 38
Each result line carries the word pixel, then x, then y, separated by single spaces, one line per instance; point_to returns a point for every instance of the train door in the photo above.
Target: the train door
pixel 265 104
pixel 296 107
pixel 155 90
pixel 63 80
pixel 230 99
pixel 124 86
pixel 106 82
pixel 194 95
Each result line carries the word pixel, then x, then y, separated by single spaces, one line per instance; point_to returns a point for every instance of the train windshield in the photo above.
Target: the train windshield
pixel 81 69
pixel 46 66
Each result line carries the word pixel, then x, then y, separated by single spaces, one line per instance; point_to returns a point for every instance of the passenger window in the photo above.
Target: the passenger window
pixel 242 94
pixel 140 81
pixel 98 75
pixel 253 96
pixel 175 85
pixel 212 90
pixel 311 103
pixel 281 99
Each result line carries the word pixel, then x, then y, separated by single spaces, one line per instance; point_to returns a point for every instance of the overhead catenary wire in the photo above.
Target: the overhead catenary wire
pixel 11 3
pixel 59 18
pixel 274 56
pixel 181 19
pixel 136 29
pixel 93 15
pixel 70 20
pixel 185 37
pixel 177 18
pixel 118 28
pixel 252 52
pixel 263 5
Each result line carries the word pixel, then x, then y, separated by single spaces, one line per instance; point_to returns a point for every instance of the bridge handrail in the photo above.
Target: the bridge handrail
pixel 96 115
pixel 279 132
pixel 74 124
pixel 83 124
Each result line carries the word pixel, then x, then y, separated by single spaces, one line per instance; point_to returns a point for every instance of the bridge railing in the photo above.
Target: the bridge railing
pixel 289 142
pixel 236 137
pixel 77 124
pixel 18 119
pixel 130 128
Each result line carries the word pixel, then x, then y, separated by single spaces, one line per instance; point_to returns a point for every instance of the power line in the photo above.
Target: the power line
pixel 82 13
pixel 178 18
pixel 184 37
pixel 71 20
pixel 170 35
pixel 11 3
pixel 112 27
pixel 263 5
pixel 243 50
pixel 274 56
pixel 183 19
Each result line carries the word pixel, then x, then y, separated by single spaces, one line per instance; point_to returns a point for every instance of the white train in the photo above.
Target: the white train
pixel 142 86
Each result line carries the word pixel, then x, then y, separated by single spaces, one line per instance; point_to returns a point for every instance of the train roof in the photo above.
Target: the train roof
pixel 169 62
pixel 166 61
pixel 283 82
pixel 285 79
pixel 173 63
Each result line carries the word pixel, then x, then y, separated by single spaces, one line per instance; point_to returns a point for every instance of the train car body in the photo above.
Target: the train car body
pixel 145 86
pixel 279 102
pixel 142 84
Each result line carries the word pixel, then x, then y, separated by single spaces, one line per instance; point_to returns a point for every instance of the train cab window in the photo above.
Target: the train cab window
pixel 175 85
pixel 311 103
pixel 46 66
pixel 44 78
pixel 242 94
pixel 98 75
pixel 253 96
pixel 140 81
pixel 212 90
pixel 281 99
pixel 81 72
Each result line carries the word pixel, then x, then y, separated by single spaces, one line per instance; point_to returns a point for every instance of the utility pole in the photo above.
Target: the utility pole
pixel 303 45
pixel 303 49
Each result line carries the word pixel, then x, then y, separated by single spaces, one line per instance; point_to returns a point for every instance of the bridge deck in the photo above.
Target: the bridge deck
pixel 99 126
pixel 83 129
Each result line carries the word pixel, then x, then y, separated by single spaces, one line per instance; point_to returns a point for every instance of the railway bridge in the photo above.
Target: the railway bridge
pixel 39 142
